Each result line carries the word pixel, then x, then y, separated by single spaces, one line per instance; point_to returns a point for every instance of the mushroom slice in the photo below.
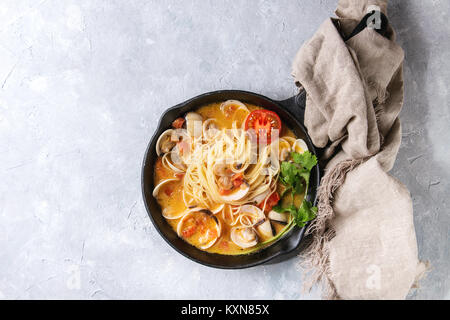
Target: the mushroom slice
pixel 264 228
pixel 160 185
pixel 278 217
pixel 244 237
pixel 165 143
pixel 194 124
pixel 204 237
pixel 300 146
pixel 238 194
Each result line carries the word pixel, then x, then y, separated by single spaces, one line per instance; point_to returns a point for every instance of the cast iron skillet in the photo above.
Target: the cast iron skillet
pixel 291 112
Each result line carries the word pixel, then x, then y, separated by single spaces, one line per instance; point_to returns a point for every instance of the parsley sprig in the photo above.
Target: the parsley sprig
pixel 295 177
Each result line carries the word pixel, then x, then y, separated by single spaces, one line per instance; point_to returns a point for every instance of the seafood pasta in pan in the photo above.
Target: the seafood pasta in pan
pixel 231 178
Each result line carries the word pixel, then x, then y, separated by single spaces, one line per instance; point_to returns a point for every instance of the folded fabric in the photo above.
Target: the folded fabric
pixel 364 244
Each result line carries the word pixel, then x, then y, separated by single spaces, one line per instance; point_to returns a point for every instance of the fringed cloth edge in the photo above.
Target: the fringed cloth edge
pixel 315 260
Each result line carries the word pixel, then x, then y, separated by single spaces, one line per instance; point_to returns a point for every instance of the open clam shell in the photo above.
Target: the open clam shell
pixel 165 142
pixel 233 103
pixel 300 146
pixel 244 237
pixel 217 225
pixel 259 220
pixel 160 185
pixel 238 194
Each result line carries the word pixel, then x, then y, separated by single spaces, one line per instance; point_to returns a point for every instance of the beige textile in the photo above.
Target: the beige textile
pixel 364 243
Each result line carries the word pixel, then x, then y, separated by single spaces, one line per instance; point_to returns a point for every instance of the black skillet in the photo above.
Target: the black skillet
pixel 291 112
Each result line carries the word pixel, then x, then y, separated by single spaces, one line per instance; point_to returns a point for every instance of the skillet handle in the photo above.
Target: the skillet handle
pixel 296 106
pixel 292 248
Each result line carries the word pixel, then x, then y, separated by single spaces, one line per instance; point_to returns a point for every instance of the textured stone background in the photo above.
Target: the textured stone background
pixel 83 84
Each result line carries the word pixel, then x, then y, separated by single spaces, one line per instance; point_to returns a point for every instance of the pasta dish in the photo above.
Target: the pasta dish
pixel 231 178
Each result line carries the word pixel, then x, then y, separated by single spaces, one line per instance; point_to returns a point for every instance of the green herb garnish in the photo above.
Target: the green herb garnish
pixel 295 177
pixel 307 160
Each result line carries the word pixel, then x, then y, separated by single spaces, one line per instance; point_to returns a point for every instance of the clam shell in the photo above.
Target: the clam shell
pixel 161 139
pixel 188 214
pixel 237 195
pixel 239 239
pixel 209 133
pixel 237 103
pixel 160 185
pixel 300 146
pixel 218 209
pixel 261 197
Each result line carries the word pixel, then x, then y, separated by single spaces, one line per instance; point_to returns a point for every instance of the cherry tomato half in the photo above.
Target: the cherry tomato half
pixel 263 121
pixel 178 123
pixel 272 201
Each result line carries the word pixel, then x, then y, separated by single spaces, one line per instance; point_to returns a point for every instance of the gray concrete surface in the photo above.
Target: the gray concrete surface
pixel 83 84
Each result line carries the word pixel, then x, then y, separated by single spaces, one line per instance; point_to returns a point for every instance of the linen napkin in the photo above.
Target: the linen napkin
pixel 363 240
